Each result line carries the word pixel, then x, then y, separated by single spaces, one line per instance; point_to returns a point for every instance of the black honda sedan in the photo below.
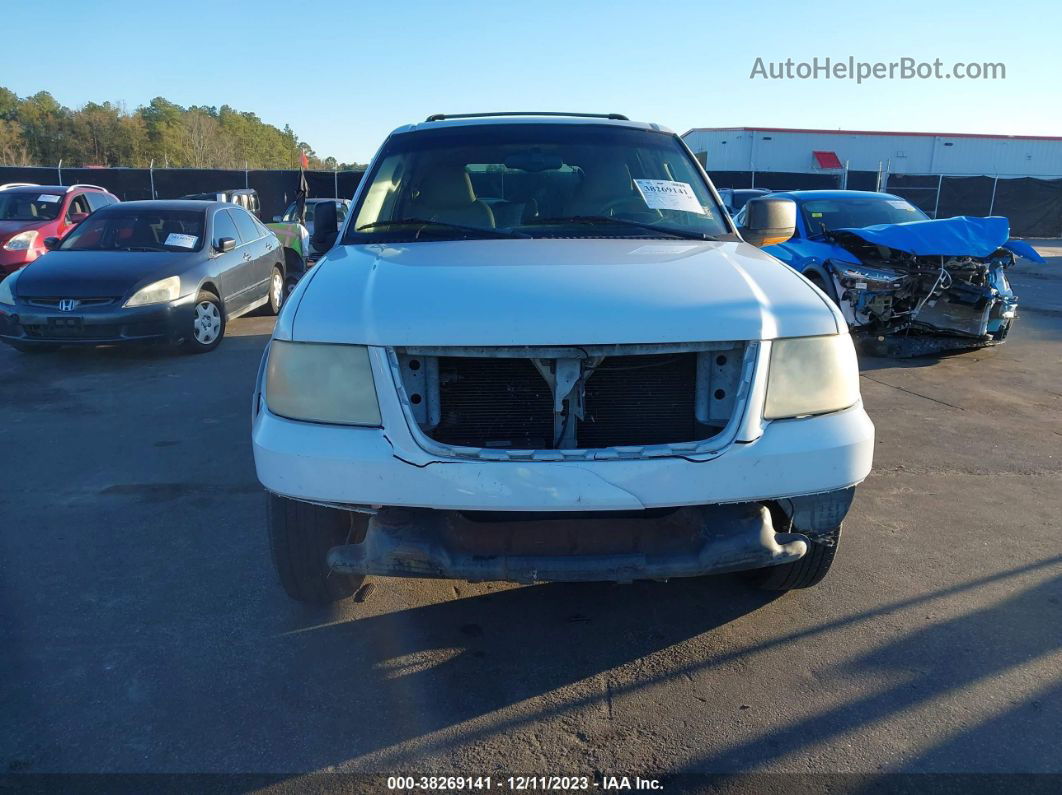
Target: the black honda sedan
pixel 147 271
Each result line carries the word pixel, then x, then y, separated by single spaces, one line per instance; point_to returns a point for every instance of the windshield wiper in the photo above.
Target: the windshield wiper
pixel 476 230
pixel 604 219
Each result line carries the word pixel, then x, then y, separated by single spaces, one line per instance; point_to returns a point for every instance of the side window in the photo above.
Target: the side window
pixel 98 200
pixel 262 230
pixel 224 227
pixel 244 223
pixel 79 204
pixel 341 211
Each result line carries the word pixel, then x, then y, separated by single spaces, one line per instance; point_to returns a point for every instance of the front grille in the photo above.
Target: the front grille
pixel 506 403
pixel 640 400
pixel 53 303
pixel 502 403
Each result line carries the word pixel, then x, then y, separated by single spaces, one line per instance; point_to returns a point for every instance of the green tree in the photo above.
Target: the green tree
pixel 13 149
pixel 38 129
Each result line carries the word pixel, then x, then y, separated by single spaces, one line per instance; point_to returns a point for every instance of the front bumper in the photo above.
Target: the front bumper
pixel 26 324
pixel 345 466
pixel 11 261
pixel 687 543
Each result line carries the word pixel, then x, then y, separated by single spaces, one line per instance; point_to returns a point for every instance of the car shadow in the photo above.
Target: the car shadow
pixel 926 667
pixel 419 671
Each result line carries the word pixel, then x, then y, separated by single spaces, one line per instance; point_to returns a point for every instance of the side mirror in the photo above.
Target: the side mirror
pixel 768 220
pixel 77 218
pixel 225 244
pixel 277 219
pixel 51 243
pixel 325 227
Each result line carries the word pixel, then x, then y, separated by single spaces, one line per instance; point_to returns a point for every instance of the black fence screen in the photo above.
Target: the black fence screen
pixel 276 189
pixel 1033 206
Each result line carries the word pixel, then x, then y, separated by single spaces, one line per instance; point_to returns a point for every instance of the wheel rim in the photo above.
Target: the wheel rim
pixel 207 325
pixel 278 289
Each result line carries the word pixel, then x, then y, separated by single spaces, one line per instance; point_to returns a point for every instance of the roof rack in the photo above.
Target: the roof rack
pixel 441 116
pixel 85 185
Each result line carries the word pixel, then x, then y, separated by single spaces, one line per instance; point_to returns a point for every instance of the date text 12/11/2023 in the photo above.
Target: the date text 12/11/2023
pixel 522 783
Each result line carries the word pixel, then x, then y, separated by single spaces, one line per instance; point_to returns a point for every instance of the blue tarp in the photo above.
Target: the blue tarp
pixel 963 236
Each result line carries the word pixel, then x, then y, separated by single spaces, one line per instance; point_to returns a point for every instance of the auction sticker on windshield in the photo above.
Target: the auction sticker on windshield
pixel 48 198
pixel 181 241
pixel 663 194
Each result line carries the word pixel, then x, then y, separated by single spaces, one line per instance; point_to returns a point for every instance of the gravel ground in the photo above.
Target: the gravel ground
pixel 142 629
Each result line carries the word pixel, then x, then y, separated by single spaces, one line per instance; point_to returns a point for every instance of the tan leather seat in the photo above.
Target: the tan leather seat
pixel 446 195
pixel 606 189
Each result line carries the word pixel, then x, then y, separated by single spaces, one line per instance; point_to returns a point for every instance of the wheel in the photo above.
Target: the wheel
pixel 18 346
pixel 277 291
pixel 208 324
pixel 816 279
pixel 300 535
pixel 803 573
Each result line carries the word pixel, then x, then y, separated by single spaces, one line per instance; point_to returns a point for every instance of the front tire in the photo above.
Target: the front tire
pixel 815 278
pixel 300 535
pixel 803 573
pixel 278 290
pixel 207 327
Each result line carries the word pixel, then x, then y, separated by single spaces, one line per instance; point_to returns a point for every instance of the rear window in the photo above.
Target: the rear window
pixel 138 230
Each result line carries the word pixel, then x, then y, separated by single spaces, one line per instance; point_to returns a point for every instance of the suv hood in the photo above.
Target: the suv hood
pixel 554 292
pixel 9 228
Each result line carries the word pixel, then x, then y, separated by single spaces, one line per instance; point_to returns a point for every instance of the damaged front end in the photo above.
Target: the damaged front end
pixel 928 286
pixel 966 300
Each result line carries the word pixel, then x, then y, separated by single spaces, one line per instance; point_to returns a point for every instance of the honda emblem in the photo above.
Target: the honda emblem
pixel 67 304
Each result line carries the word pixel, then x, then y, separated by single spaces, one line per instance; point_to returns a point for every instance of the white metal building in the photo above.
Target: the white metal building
pixel 767 149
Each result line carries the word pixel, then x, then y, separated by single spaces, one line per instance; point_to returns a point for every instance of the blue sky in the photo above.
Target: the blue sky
pixel 343 73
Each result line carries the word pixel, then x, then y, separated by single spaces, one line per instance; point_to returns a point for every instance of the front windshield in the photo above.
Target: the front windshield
pixel 29 205
pixel 534 180
pixel 138 230
pixel 855 213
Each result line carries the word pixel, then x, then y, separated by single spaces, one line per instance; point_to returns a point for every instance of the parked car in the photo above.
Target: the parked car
pixel 293 236
pixel 145 271
pixel 31 213
pixel 290 215
pixel 736 198
pixel 920 285
pixel 613 385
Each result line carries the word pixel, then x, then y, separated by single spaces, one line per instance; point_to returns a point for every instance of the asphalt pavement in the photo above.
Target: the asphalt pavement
pixel 142 628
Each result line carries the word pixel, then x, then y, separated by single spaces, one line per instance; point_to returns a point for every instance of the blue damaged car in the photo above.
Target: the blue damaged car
pixel 910 285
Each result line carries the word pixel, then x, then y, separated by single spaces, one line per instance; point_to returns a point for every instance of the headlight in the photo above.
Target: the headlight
pixel 7 289
pixel 321 383
pixel 21 241
pixel 157 292
pixel 811 375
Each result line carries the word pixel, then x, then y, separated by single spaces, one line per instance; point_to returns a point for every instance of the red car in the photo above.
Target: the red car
pixel 31 213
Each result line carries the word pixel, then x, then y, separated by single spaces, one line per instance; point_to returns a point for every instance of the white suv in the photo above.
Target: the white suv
pixel 540 350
